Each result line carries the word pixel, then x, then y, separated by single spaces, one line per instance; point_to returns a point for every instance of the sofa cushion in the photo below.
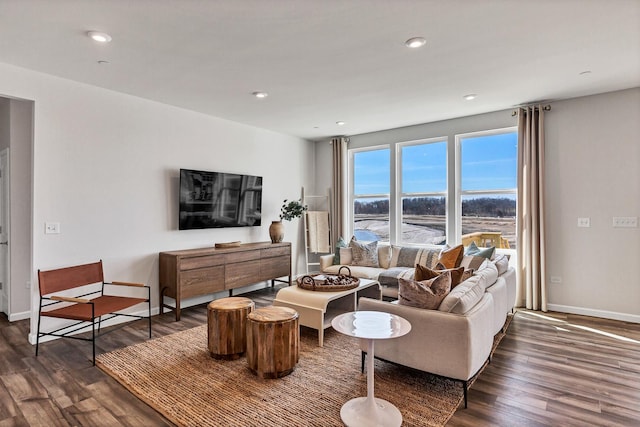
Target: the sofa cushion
pixel 464 296
pixel 384 255
pixel 451 257
pixel 390 276
pixel 409 257
pixel 473 249
pixel 364 254
pixel 488 272
pixel 341 244
pixel 426 273
pixel 424 294
pixel 371 273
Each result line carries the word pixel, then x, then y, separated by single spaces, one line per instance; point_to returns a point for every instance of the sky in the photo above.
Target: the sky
pixel 488 163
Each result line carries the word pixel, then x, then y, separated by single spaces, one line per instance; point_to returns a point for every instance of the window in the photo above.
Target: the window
pixel 433 191
pixel 488 188
pixel 371 172
pixel 423 167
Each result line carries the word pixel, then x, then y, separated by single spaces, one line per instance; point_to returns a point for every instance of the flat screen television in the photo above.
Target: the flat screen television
pixel 219 199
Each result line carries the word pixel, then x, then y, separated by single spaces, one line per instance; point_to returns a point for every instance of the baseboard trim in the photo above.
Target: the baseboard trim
pixel 625 317
pixel 19 316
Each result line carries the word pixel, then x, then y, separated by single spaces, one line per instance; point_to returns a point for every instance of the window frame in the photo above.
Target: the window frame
pixel 399 194
pixel 459 193
pixel 351 189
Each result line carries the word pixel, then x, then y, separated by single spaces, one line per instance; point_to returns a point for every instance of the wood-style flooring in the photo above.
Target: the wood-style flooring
pixel 551 369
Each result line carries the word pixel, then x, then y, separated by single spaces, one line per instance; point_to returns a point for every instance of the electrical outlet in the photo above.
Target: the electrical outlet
pixel 556 279
pixel 584 222
pixel 625 221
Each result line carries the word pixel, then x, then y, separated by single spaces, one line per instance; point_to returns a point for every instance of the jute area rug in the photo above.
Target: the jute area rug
pixel 177 377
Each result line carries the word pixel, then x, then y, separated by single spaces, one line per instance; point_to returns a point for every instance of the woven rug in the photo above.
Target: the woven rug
pixel 177 377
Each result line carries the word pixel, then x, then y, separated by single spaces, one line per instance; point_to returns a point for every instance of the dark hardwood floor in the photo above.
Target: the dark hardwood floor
pixel 551 369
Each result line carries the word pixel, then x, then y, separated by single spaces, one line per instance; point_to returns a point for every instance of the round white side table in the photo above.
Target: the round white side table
pixel 370 325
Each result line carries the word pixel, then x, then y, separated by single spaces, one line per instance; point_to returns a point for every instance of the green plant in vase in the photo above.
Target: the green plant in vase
pixel 289 211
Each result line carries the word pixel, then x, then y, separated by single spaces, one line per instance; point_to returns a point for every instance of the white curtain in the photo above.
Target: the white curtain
pixel 532 288
pixel 339 146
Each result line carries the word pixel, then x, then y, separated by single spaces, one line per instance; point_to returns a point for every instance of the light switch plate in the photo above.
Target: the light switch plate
pixel 51 228
pixel 584 222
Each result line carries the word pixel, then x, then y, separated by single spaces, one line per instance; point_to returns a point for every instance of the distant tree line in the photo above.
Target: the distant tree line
pixel 481 206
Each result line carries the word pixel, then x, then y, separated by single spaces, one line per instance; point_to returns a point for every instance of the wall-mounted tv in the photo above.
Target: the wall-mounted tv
pixel 218 199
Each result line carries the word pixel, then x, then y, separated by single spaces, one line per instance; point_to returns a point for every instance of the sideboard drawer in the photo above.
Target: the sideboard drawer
pixel 201 262
pixel 202 281
pixel 275 251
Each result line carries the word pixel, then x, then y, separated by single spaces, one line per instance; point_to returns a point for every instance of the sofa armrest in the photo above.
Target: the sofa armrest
pixel 326 261
pixel 452 345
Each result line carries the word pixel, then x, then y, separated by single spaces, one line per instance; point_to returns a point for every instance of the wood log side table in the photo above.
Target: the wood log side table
pixel 273 341
pixel 227 326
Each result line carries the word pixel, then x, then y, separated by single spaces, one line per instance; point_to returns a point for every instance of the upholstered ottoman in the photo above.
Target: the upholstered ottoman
pixel 227 326
pixel 273 341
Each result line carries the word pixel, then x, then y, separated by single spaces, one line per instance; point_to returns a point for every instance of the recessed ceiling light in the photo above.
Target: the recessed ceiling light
pixel 470 97
pixel 415 42
pixel 99 37
pixel 260 94
pixel 341 123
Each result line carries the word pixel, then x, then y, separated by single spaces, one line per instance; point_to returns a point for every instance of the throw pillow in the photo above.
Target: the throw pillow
pixel 474 250
pixel 341 244
pixel 345 256
pixel 364 254
pixel 409 257
pixel 424 294
pixel 451 257
pixel 472 262
pixel 425 273
pixel 502 263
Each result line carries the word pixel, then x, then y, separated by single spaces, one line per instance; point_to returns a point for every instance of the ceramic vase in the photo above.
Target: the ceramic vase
pixel 276 231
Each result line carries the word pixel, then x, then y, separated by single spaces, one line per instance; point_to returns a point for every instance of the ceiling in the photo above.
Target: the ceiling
pixel 324 61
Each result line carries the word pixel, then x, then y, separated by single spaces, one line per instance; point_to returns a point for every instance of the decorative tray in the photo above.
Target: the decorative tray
pixel 328 282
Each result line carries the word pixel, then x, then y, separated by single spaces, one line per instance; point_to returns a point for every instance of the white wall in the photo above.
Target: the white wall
pixel 106 168
pixel 593 170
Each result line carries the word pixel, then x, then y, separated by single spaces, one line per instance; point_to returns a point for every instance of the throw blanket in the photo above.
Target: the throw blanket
pixel 318 231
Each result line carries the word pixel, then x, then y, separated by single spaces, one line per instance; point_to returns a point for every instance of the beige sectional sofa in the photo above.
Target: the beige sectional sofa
pixel 455 340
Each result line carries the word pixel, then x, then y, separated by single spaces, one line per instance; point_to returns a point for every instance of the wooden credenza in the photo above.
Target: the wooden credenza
pixel 194 272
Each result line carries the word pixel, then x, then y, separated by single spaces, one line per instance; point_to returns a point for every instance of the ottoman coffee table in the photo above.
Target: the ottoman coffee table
pixel 318 308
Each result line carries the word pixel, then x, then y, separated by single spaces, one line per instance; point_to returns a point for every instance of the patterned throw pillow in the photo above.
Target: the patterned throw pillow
pixel 364 254
pixel 451 257
pixel 424 294
pixel 474 250
pixel 425 273
pixel 472 262
pixel 409 257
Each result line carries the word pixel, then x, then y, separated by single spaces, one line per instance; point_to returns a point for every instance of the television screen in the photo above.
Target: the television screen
pixel 217 199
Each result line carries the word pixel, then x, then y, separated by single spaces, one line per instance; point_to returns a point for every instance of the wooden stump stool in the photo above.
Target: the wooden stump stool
pixel 227 325
pixel 273 341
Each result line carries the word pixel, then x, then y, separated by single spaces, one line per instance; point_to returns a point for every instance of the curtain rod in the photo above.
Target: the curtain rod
pixel 545 108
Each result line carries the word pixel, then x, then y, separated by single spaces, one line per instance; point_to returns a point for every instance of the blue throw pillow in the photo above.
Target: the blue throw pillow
pixel 474 250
